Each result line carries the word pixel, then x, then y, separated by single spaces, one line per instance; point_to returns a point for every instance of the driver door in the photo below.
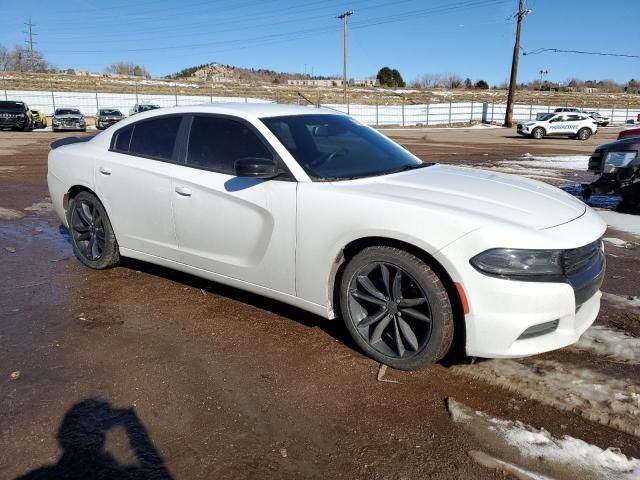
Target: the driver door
pixel 240 228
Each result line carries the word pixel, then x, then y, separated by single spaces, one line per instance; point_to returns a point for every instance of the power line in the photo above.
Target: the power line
pixel 559 50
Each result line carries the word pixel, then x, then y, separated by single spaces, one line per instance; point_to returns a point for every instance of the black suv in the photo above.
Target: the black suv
pixel 618 164
pixel 15 115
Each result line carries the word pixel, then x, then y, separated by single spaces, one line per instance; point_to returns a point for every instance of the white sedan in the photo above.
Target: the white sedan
pixel 312 208
pixel 568 124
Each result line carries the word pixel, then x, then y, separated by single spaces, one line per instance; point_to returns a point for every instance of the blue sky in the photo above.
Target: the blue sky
pixel 473 38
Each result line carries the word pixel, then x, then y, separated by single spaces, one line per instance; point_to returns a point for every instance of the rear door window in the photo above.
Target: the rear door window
pixel 155 138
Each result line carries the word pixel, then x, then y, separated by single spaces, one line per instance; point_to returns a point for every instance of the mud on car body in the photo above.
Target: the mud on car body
pixel 570 124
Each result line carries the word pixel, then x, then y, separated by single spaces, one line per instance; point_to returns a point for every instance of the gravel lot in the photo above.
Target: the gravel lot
pixel 159 374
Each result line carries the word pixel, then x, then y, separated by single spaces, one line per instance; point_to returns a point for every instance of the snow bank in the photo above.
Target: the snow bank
pixel 610 343
pixel 599 398
pixel 621 302
pixel 621 221
pixel 560 162
pixel 539 448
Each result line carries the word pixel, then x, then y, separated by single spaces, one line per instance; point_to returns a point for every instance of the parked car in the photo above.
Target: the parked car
pixel 576 125
pixel 38 118
pixel 567 110
pixel 107 117
pixel 15 115
pixel 68 119
pixel 312 208
pixel 618 164
pixel 601 120
pixel 629 132
pixel 142 107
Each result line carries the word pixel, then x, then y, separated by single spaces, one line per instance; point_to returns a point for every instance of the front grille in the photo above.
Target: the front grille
pixel 577 259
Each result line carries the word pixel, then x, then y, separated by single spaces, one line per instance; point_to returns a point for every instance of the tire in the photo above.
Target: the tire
pixel 537 133
pixel 92 237
pixel 28 127
pixel 584 133
pixel 399 331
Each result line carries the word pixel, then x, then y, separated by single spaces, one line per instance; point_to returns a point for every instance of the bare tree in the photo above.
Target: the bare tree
pixel 21 59
pixel 453 80
pixel 125 68
pixel 4 58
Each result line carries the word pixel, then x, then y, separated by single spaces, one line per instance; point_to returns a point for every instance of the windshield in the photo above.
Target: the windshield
pixel 110 111
pixel 547 116
pixel 12 106
pixel 336 147
pixel 144 108
pixel 67 111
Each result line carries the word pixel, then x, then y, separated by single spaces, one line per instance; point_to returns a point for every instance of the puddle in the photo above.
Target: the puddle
pixel 609 202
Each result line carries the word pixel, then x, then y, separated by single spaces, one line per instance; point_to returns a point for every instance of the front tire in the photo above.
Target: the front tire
pixel 396 308
pixel 92 237
pixel 537 133
pixel 584 134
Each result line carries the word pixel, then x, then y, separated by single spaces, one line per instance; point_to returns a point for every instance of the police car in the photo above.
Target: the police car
pixel 570 124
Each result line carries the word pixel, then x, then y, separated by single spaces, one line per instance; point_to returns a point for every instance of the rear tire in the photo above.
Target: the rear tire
pixel 92 237
pixel 537 133
pixel 396 308
pixel 584 134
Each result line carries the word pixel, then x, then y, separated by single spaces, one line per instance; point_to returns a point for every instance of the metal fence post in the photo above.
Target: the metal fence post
pixel 471 117
pixel 403 111
pixel 428 105
pixel 53 97
pixel 612 112
pixel 626 114
pixel 377 119
pixel 136 85
pixel 530 111
pixel 450 113
pixel 318 98
pixel 97 103
pixel 175 93
pixel 492 108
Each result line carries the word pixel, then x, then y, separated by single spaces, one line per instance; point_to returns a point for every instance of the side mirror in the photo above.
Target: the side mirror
pixel 255 167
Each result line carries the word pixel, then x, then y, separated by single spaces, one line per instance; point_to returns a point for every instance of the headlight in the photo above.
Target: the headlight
pixel 508 262
pixel 620 159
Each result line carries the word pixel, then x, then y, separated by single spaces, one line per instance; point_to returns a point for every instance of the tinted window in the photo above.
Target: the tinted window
pixel 575 118
pixel 123 138
pixel 333 147
pixel 216 144
pixel 155 138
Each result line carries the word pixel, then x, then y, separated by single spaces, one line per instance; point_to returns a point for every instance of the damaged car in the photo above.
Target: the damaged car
pixel 68 119
pixel 618 166
pixel 107 117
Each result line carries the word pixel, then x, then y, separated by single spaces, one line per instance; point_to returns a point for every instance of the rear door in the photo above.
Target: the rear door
pixel 134 181
pixel 240 228
pixel 563 124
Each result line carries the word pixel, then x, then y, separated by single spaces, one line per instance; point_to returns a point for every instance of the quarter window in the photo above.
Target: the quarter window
pixel 155 138
pixel 216 144
pixel 123 138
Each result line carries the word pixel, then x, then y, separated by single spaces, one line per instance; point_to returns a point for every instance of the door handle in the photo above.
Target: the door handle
pixel 183 191
pixel 104 170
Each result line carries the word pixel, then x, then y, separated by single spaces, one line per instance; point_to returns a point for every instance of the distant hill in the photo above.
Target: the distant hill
pixel 217 72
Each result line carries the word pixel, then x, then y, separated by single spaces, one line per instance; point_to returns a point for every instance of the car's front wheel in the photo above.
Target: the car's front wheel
pixel 92 237
pixel 584 133
pixel 396 308
pixel 537 133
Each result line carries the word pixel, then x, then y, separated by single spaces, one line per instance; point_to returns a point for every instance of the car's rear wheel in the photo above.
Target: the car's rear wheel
pixel 584 134
pixel 537 133
pixel 92 237
pixel 396 308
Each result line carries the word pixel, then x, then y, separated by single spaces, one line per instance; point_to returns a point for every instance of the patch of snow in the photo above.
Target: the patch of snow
pixel 538 447
pixel 617 242
pixel 505 467
pixel 621 302
pixel 599 398
pixel 40 207
pixel 621 221
pixel 610 343
pixel 560 162
pixel 9 214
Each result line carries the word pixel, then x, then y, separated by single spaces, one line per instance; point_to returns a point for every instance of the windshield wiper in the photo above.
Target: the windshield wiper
pixel 411 166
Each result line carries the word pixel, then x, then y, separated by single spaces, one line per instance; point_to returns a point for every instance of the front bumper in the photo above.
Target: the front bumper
pixel 511 318
pixel 522 130
pixel 69 127
pixel 106 123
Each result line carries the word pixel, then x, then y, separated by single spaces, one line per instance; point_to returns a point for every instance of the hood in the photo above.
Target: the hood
pixel 74 116
pixel 510 198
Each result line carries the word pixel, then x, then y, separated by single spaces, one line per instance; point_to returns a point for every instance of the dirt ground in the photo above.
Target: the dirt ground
pixel 141 372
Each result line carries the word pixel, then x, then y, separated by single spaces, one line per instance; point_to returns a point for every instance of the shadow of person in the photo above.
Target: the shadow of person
pixel 82 438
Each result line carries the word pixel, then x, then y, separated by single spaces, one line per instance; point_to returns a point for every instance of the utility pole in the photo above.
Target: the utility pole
pixel 508 119
pixel 30 41
pixel 345 18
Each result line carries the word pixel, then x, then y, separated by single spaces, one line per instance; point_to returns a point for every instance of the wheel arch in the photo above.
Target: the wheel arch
pixel 78 188
pixel 355 246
